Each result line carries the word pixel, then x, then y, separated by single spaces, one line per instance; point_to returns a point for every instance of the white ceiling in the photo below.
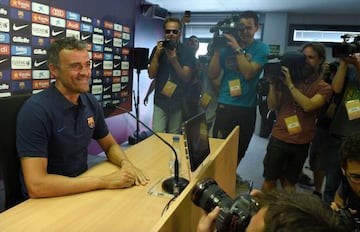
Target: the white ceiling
pixel 290 6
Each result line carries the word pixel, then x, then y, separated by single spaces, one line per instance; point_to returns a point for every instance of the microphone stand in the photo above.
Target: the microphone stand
pixel 137 106
pixel 173 185
pixel 133 139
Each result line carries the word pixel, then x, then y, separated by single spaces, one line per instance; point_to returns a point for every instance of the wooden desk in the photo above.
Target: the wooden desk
pixel 131 209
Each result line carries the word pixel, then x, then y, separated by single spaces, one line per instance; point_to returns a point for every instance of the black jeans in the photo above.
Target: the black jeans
pixel 228 117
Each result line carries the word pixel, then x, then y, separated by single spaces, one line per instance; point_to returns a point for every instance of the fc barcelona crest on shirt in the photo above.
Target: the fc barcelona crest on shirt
pixel 91 122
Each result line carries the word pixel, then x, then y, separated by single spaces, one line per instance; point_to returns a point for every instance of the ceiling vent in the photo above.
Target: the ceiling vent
pixel 154 11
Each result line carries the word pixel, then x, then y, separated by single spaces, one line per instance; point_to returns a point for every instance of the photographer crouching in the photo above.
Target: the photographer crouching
pixel 240 58
pixel 297 93
pixel 262 212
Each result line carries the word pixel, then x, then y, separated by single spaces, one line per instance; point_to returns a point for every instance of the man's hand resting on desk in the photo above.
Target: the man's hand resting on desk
pixel 140 177
pixel 119 179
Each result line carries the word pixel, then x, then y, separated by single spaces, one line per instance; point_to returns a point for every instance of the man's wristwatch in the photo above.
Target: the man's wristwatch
pixel 240 51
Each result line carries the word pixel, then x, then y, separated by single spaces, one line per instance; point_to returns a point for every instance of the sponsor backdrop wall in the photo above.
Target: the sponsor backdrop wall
pixel 107 27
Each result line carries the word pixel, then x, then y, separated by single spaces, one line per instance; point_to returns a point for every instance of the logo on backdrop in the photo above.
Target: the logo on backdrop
pixel 27 28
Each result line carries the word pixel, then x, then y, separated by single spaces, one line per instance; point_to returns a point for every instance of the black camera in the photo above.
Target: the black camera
pixel 347 48
pixel 333 66
pixel 351 221
pixel 229 25
pixel 234 215
pixel 168 44
pixel 293 60
pixel 204 59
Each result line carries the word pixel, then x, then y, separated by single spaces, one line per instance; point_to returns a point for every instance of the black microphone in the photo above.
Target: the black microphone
pixel 173 185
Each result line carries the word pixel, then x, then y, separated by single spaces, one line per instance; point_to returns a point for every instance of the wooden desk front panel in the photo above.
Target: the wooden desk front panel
pixel 220 165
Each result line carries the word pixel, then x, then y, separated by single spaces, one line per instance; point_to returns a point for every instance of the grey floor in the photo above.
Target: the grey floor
pixel 250 168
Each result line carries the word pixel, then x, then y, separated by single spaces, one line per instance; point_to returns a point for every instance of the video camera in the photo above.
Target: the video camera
pixel 347 48
pixel 293 60
pixel 234 215
pixel 229 25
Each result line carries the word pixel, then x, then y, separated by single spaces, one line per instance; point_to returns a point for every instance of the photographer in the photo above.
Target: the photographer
pixel 240 58
pixel 284 211
pixel 297 97
pixel 171 65
pixel 319 148
pixel 347 196
pixel 192 92
pixel 346 120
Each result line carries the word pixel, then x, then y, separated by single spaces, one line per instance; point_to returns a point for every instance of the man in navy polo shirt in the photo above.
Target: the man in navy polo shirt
pixel 55 126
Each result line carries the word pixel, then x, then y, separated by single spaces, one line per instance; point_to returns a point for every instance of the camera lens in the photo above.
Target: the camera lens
pixel 234 216
pixel 207 195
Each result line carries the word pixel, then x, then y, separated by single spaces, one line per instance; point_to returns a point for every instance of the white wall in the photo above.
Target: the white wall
pixel 276 26
pixel 275 29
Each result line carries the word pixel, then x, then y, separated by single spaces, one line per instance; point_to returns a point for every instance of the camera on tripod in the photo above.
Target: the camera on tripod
pixel 229 25
pixel 346 48
pixel 234 215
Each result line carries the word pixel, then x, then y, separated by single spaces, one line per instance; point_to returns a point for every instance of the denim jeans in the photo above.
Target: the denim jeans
pixel 333 171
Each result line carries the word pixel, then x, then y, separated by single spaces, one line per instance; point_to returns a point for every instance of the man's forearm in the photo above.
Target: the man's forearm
pixel 154 65
pixel 52 185
pixel 116 155
pixel 214 66
pixel 184 72
pixel 339 78
pixel 306 103
pixel 248 69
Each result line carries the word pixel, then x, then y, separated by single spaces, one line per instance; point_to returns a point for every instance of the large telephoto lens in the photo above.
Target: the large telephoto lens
pixel 207 195
pixel 234 216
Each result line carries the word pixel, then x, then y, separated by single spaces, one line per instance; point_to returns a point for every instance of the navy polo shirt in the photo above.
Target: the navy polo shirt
pixel 48 125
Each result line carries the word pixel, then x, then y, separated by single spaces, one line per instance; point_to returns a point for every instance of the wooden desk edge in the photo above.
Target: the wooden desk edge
pixel 229 184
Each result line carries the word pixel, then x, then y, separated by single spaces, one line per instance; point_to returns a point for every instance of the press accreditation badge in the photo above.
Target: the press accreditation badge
pixel 235 87
pixel 169 88
pixel 205 100
pixel 293 125
pixel 353 109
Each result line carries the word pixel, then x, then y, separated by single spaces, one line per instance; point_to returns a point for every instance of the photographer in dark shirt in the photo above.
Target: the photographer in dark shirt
pixel 171 65
pixel 284 211
pixel 347 196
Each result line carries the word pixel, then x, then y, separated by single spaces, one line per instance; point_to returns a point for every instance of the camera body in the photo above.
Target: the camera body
pixel 351 221
pixel 168 44
pixel 229 25
pixel 234 214
pixel 204 59
pixel 346 48
pixel 293 60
